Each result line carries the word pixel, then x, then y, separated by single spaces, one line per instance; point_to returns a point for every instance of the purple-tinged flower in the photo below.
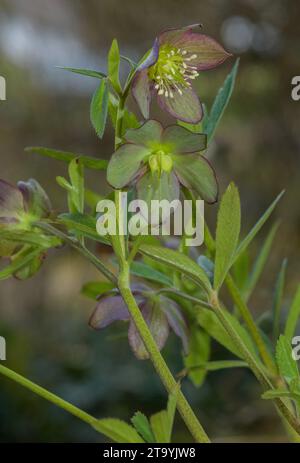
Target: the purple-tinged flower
pixel 159 160
pixel 19 207
pixel 160 313
pixel 173 63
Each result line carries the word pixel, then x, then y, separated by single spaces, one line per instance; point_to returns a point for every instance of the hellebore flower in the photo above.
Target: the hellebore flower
pixel 159 312
pixel 19 207
pixel 158 160
pixel 172 64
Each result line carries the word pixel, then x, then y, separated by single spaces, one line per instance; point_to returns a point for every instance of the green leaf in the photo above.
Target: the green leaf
pixel 84 72
pixel 93 289
pixel 19 262
pixel 29 237
pixel 287 366
pixel 241 270
pixel 199 352
pixel 162 422
pixel 99 108
pixel 118 431
pixel 77 181
pixel 221 101
pixel 195 128
pixel 210 323
pixel 293 316
pixel 113 66
pixel 221 365
pixel 283 393
pixel 142 425
pixel 84 224
pixel 260 262
pixel 227 235
pixel 66 156
pixel 159 425
pixel 143 270
pixel 277 301
pixel 257 227
pixel 177 261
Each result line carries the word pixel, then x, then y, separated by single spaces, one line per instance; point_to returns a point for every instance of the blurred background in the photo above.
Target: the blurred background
pixel 44 319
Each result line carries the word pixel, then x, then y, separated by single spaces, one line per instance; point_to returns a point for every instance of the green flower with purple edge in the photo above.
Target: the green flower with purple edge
pixel 158 160
pixel 19 207
pixel 160 313
pixel 173 63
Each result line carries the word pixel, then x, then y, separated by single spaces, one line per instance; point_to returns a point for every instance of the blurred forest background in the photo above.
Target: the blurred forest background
pixel 257 145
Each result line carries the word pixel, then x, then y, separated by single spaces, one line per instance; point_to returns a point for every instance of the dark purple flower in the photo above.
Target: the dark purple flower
pixel 19 207
pixel 172 64
pixel 159 312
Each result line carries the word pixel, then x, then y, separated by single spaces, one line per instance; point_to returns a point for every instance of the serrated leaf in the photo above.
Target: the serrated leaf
pixel 227 235
pixel 159 425
pixel 293 316
pixel 177 261
pixel 93 289
pixel 142 425
pixel 118 431
pixel 287 366
pixel 221 101
pixel 257 227
pixel 199 352
pixel 99 108
pixel 84 72
pixel 66 156
pixel 114 65
pixel 143 270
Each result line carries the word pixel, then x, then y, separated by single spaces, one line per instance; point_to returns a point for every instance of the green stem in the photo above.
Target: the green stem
pixel 80 248
pixel 256 369
pixel 158 362
pixel 124 286
pixel 83 416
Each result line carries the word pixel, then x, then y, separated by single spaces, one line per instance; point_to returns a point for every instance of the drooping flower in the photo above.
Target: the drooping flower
pixel 19 207
pixel 159 312
pixel 173 63
pixel 158 160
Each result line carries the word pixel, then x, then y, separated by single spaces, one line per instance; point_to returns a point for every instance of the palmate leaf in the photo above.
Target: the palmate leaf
pixel 20 262
pixel 221 101
pixel 227 235
pixel 66 156
pixel 99 108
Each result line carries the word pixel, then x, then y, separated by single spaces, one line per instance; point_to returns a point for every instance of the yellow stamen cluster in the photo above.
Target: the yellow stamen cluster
pixel 173 71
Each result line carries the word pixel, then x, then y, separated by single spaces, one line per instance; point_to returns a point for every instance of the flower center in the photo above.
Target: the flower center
pixel 173 71
pixel 160 162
